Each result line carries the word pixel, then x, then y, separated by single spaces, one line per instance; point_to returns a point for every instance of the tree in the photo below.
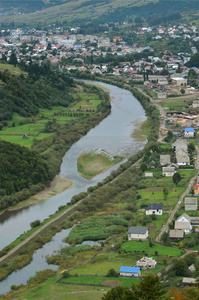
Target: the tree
pixel 165 192
pixel 13 59
pixel 118 293
pixel 148 288
pixel 176 178
pixel 182 91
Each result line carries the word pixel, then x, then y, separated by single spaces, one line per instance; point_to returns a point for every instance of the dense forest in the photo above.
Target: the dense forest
pixel 20 169
pixel 151 9
pixel 25 95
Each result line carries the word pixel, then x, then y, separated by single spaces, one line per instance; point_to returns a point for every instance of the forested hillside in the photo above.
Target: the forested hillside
pixel 20 168
pixel 79 12
pixel 25 95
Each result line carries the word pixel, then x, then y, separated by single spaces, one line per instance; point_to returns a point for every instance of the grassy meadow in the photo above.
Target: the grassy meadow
pixel 85 104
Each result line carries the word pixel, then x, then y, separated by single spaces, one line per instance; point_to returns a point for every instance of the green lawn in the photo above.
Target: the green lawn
pixel 136 246
pixel 98 280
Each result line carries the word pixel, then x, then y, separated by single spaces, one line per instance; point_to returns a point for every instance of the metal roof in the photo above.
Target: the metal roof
pixel 189 129
pixel 154 206
pixel 137 230
pixel 129 269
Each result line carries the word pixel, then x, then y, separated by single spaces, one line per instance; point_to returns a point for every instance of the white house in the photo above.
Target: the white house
pixel 179 81
pixel 168 171
pixel 146 263
pixel 154 209
pixel 137 233
pixel 182 158
pixel 189 132
pixel 184 223
pixel 130 271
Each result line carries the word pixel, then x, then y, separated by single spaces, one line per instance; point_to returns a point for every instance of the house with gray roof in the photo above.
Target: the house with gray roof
pixel 184 223
pixel 168 171
pixel 179 144
pixel 177 234
pixel 182 158
pixel 191 203
pixel 138 233
pixel 165 160
pixel 154 209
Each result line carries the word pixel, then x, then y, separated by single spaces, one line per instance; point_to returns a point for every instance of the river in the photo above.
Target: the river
pixel 112 135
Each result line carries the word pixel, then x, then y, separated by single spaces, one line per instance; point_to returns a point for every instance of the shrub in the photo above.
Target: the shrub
pixel 112 273
pixel 35 223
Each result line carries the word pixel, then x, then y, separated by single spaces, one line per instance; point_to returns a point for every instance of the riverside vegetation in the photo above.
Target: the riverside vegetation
pixel 122 199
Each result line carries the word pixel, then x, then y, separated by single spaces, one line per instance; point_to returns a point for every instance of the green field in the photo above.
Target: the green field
pixel 34 126
pixel 137 246
pixel 11 68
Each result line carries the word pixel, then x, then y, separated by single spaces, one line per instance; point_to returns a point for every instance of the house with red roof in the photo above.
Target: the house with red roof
pixel 196 189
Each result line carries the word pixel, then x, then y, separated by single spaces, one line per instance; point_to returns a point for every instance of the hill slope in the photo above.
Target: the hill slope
pixel 73 12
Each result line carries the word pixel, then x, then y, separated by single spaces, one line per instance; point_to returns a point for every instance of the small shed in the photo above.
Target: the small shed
pixel 177 234
pixel 148 175
pixel 191 203
pixel 130 271
pixel 188 281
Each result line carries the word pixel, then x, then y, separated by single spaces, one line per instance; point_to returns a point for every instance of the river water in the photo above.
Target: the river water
pixel 112 135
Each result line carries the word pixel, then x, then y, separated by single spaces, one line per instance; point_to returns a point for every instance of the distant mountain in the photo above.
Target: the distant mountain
pixel 99 11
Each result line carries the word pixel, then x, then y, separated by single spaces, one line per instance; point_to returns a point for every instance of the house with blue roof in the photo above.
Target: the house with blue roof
pixel 189 132
pixel 130 271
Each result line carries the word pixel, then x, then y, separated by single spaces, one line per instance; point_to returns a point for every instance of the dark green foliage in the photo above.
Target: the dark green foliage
pixel 97 229
pixel 176 178
pixel 112 273
pixel 35 223
pixel 20 168
pixel 42 88
pixel 148 288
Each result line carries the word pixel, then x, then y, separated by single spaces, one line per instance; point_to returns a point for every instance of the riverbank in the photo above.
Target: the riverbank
pixel 58 186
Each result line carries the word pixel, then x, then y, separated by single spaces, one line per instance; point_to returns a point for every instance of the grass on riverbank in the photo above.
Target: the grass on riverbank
pixel 91 164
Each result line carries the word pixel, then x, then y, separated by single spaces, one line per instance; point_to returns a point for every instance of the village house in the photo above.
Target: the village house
pixel 168 171
pixel 146 263
pixel 137 233
pixel 177 234
pixel 189 132
pixel 154 209
pixel 195 103
pixel 165 160
pixel 184 223
pixel 179 81
pixel 182 158
pixel 130 271
pixel 191 203
pixel 179 145
pixel 148 175
pixel 196 189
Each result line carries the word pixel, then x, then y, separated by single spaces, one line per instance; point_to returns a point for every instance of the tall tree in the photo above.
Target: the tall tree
pixel 176 178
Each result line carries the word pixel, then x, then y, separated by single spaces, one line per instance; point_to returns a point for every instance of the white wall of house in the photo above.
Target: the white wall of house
pixel 157 212
pixel 133 236
pixel 130 274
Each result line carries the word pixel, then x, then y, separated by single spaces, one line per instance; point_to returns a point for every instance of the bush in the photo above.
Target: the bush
pixel 35 223
pixel 112 273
